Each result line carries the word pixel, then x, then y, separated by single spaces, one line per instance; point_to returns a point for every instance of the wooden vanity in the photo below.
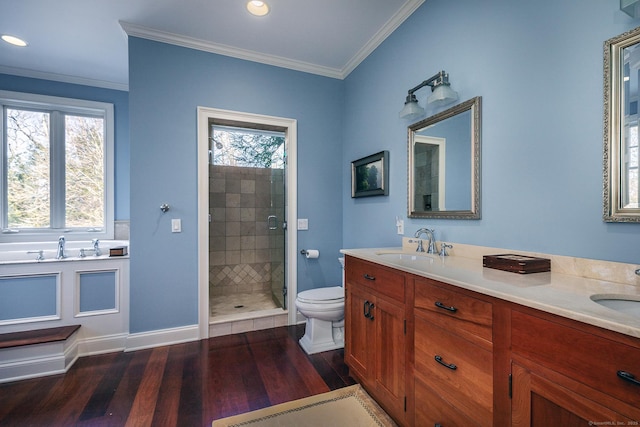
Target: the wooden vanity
pixel 433 353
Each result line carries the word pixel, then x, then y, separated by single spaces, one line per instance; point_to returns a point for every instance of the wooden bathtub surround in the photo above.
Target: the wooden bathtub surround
pixel 470 359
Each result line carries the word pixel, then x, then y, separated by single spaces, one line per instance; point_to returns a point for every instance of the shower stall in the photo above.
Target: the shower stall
pixel 247 230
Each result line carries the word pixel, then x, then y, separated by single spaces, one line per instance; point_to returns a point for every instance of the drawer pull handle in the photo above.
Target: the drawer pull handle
pixel 366 276
pixel 446 365
pixel 444 307
pixel 368 306
pixel 628 376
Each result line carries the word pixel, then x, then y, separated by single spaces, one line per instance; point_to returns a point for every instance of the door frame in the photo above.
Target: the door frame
pixel 291 132
pixel 442 162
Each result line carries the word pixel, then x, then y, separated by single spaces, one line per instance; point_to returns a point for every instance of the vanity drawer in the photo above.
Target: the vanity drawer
pixel 454 309
pixel 593 360
pixel 469 385
pixel 384 280
pixel 432 410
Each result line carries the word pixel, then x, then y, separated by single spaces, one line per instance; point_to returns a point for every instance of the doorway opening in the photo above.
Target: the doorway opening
pixel 246 199
pixel 247 229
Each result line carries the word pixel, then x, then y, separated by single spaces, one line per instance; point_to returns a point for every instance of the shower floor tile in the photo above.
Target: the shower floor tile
pixel 224 305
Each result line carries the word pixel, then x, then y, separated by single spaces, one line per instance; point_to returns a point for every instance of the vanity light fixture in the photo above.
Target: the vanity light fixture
pixel 441 94
pixel 630 7
pixel 257 8
pixel 14 40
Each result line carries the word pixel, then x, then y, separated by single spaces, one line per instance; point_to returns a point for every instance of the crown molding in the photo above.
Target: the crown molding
pixel 33 74
pixel 193 43
pixel 226 50
pixel 389 27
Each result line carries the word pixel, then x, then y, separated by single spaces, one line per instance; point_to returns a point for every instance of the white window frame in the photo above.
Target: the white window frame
pixel 72 106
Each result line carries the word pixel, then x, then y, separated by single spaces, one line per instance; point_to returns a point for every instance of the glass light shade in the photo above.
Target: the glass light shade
pixel 411 110
pixel 630 7
pixel 442 95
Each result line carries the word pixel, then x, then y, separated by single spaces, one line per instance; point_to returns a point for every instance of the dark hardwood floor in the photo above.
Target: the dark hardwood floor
pixel 180 385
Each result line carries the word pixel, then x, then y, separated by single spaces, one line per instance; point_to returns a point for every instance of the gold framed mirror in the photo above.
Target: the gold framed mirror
pixel 444 164
pixel 621 189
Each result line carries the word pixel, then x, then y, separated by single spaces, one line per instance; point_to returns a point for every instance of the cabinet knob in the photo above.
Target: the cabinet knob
pixel 368 277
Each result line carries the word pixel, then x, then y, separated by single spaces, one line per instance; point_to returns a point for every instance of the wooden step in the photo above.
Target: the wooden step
pixel 37 336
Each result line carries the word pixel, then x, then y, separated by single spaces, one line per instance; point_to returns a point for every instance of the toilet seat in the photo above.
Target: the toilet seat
pixel 328 295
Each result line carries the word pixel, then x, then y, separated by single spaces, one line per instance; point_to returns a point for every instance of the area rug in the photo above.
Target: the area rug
pixel 349 407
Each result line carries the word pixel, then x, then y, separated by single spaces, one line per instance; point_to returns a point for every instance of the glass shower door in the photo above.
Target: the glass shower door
pixel 277 227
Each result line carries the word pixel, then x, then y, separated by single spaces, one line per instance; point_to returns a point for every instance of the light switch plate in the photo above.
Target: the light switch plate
pixel 176 225
pixel 303 224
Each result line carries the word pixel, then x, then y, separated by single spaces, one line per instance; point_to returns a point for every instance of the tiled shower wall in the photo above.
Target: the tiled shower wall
pixel 240 244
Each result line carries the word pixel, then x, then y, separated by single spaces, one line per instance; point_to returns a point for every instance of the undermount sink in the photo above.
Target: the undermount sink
pixel 627 304
pixel 404 256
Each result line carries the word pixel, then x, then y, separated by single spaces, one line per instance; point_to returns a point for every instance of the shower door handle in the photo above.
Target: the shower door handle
pixel 272 222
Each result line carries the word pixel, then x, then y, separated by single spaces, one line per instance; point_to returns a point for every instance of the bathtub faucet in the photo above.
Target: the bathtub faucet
pixel 96 247
pixel 60 253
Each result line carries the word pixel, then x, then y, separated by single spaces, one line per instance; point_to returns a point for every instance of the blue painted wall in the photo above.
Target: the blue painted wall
pixel 538 66
pixel 166 85
pixel 120 101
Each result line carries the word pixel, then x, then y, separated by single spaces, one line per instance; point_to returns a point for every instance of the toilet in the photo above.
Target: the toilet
pixel 324 310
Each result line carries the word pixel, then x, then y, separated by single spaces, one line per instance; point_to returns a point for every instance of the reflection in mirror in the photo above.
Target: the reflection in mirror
pixel 444 164
pixel 621 77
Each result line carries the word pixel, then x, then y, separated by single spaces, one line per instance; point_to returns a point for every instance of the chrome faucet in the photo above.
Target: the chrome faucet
pixel 96 247
pixel 60 252
pixel 431 248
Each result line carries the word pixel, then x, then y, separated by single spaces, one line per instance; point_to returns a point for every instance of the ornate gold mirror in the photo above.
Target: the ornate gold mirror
pixel 444 164
pixel 621 189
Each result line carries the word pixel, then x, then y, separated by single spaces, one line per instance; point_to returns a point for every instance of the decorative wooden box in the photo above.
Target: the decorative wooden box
pixel 517 263
pixel 118 251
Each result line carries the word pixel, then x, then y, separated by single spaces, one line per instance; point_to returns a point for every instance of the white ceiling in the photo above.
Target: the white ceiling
pixel 85 41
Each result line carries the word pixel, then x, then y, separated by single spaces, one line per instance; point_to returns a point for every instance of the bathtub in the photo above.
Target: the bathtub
pixel 29 252
pixel 89 291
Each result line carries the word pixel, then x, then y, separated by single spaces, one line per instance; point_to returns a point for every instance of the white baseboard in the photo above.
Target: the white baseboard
pixel 142 340
pixel 101 345
pixel 38 360
pixel 19 363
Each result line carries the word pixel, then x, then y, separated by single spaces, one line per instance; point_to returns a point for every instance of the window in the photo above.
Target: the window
pixel 244 147
pixel 57 168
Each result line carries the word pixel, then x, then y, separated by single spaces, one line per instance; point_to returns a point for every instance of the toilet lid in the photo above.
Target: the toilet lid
pixel 328 295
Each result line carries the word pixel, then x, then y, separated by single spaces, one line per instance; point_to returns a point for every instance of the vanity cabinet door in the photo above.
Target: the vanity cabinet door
pixel 541 402
pixel 390 355
pixel 571 370
pixel 375 333
pixel 359 345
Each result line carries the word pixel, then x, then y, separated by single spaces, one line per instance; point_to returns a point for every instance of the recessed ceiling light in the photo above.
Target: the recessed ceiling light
pixel 14 40
pixel 257 8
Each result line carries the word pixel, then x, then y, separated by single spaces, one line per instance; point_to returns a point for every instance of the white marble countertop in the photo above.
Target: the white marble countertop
pixel 561 294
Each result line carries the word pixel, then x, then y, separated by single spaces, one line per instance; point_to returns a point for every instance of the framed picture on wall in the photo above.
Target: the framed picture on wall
pixel 370 175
